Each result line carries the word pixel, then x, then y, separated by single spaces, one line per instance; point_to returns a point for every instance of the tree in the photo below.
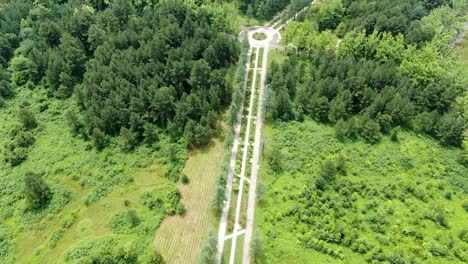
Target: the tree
pixel 128 139
pixel 200 74
pixel 260 191
pixel 449 128
pixel 369 129
pixel 327 14
pixel 341 164
pixel 344 129
pixel 275 159
pixel 27 118
pixel 249 11
pixel 283 105
pixel 150 133
pixel 209 250
pixel 152 256
pixel 20 70
pixel 256 248
pixel 99 139
pixel 74 122
pixel 328 170
pixel 36 191
pixel 219 197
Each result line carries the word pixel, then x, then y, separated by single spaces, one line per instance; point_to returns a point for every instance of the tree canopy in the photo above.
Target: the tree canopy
pixel 130 65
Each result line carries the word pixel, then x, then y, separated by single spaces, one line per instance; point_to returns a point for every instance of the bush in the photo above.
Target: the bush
pixel 24 139
pixel 27 118
pixel 465 205
pixel 152 256
pixel 124 221
pixel 164 199
pixel 328 170
pixel 185 179
pixel 341 164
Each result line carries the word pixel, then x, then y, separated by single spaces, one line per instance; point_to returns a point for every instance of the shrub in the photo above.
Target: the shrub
pixel 24 139
pixel 465 205
pixel 328 170
pixel 185 179
pixel 320 183
pixel 152 256
pixel 341 164
pixel 164 198
pixel 463 235
pixel 27 118
pixel 124 221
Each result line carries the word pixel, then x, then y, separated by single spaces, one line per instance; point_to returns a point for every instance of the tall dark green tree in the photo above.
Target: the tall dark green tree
pixel 36 191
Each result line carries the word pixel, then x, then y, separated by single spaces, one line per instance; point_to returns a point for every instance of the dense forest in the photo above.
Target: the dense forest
pixel 393 68
pixel 266 9
pixel 131 68
pixel 99 100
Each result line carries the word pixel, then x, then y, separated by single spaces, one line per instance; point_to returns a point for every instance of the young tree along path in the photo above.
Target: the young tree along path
pixel 260 63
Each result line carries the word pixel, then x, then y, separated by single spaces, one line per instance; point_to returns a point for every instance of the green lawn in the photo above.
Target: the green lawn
pixel 397 200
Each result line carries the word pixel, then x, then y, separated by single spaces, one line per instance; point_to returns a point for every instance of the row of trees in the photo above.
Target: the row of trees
pixel 232 120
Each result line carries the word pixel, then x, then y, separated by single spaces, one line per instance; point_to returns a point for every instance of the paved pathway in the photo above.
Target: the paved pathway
pixel 271 41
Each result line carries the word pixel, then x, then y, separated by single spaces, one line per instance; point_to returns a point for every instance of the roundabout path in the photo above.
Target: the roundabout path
pixel 256 72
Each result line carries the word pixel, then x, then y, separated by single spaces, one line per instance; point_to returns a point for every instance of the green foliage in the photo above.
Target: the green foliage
pixel 373 80
pixel 59 233
pixel 185 179
pixel 179 56
pixel 36 191
pixel 328 170
pixel 27 118
pixel 20 68
pixel 327 14
pixel 111 249
pixel 388 199
pixel 152 257
pixel 164 198
pixel 208 254
pixel 124 221
pixel 256 248
pixel 217 202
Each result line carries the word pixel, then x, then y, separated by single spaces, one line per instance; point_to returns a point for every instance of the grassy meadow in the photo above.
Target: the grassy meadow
pixel 93 191
pixel 399 201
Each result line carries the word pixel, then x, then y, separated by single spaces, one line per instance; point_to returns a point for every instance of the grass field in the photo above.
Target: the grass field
pixel 396 201
pixel 89 186
pixel 91 221
pixel 179 238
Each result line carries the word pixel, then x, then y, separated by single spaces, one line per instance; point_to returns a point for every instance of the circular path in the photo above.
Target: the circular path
pixel 272 36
